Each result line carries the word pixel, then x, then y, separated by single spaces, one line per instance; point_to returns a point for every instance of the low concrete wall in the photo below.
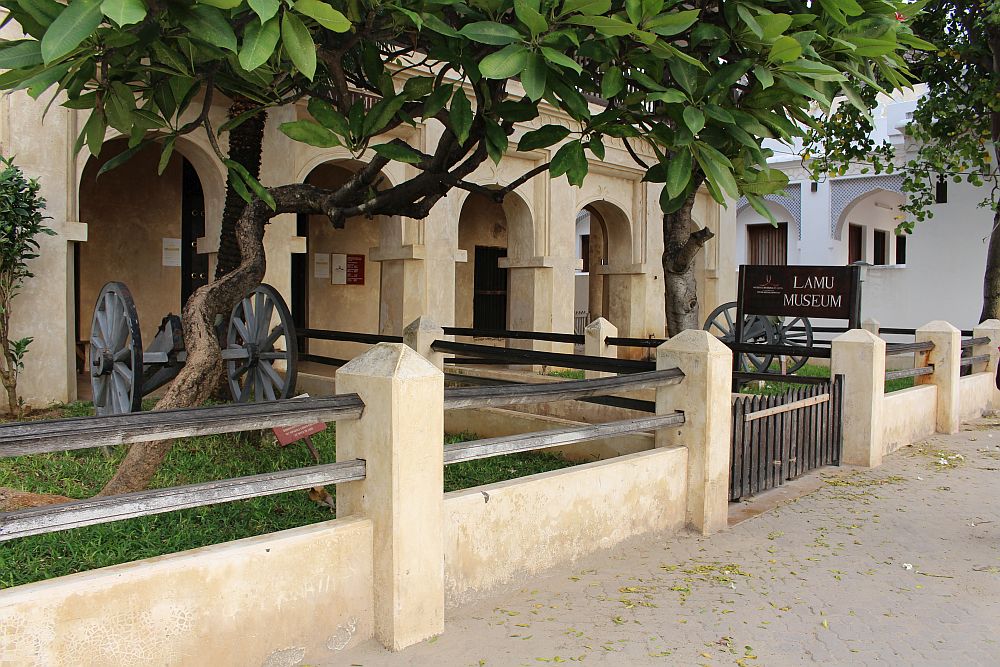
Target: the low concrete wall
pixel 974 394
pixel 497 422
pixel 293 597
pixel 509 531
pixel 908 416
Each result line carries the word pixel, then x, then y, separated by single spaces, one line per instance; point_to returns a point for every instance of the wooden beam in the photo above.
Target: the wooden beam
pixel 481 449
pixel 526 394
pixel 52 518
pixel 60 435
pixel 787 407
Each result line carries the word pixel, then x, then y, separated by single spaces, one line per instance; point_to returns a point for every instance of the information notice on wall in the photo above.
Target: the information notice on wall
pixel 355 269
pixel 171 252
pixel 832 292
pixel 321 265
pixel 338 269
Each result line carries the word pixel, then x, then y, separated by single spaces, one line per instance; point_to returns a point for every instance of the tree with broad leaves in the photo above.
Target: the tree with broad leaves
pixel 955 127
pixel 702 83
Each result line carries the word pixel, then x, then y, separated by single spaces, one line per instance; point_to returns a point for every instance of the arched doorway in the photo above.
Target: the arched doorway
pixel 335 285
pixel 604 246
pixel 760 242
pixel 481 282
pixel 142 230
pixel 866 230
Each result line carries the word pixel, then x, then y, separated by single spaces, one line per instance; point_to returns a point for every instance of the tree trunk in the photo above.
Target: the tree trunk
pixel 991 282
pixel 246 145
pixel 682 241
pixel 194 384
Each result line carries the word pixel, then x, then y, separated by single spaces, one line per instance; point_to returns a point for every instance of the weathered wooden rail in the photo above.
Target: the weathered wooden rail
pixel 512 355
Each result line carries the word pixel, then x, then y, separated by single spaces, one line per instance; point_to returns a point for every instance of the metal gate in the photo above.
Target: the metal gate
pixel 777 438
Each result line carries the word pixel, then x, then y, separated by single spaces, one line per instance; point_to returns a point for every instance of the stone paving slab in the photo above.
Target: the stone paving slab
pixel 898 566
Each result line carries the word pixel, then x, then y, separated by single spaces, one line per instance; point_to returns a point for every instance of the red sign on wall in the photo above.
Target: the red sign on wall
pixel 355 269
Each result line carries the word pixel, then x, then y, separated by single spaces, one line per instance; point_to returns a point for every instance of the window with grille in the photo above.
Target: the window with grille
pixel 767 244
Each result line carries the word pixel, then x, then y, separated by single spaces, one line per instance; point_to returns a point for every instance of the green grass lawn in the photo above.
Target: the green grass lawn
pixel 82 473
pixel 567 373
pixel 810 370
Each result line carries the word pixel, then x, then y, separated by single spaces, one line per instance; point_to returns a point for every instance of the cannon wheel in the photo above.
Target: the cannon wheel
pixel 756 329
pixel 115 352
pixel 787 334
pixel 259 322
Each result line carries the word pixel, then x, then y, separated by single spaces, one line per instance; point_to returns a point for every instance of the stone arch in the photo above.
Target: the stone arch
pixel 746 217
pixel 874 212
pixel 328 291
pixel 847 193
pixel 144 229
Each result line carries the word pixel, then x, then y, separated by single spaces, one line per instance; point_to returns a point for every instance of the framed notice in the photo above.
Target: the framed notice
pixel 355 269
pixel 321 265
pixel 171 252
pixel 338 269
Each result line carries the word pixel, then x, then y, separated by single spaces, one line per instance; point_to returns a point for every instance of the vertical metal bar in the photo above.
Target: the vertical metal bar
pixel 748 444
pixel 838 386
pixel 758 433
pixel 734 453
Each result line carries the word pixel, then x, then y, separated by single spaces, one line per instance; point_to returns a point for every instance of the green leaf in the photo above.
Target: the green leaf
pixel 310 132
pixel 124 12
pixel 672 23
pixel 764 76
pixel 605 25
pixel 496 141
pixel 694 118
pixel 436 100
pixel 612 83
pixel 259 42
pixel 914 41
pixel 249 179
pixel 22 54
pixel 165 154
pixel 118 106
pixel 543 137
pixel 460 115
pixel 418 86
pixel 120 159
pixel 210 25
pixel 73 25
pixel 678 173
pixel 589 7
pixel 715 112
pixel 489 32
pixel 324 14
pixel 530 17
pixel 717 168
pixel 398 152
pixel 533 77
pixel 265 9
pixel 773 25
pixel 505 63
pixel 327 116
pixel 750 21
pixel 298 44
pixel 561 59
pixel 784 50
pixel 570 160
pixel 439 26
pixel 221 4
pixel 669 96
pixel 381 114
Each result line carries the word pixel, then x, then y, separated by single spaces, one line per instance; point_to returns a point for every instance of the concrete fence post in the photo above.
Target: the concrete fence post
pixel 946 358
pixel 594 344
pixel 420 334
pixel 991 329
pixel 859 356
pixel 704 398
pixel 401 437
pixel 872 325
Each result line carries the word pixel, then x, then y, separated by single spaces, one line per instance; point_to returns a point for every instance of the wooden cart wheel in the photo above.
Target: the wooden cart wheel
pixel 795 331
pixel 261 334
pixel 115 352
pixel 756 329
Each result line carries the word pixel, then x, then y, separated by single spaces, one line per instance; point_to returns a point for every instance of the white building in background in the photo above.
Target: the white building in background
pixel 936 273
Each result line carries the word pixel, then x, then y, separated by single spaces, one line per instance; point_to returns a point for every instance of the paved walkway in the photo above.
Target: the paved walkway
pixel 898 566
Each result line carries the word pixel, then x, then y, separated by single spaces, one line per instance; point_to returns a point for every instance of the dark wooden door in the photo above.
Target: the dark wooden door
pixel 489 295
pixel 767 244
pixel 855 243
pixel 300 283
pixel 194 266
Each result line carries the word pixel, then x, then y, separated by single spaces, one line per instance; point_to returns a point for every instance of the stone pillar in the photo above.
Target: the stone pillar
pixel 704 398
pixel 990 328
pixel 595 346
pixel 945 357
pixel 859 356
pixel 403 286
pixel 529 299
pixel 400 435
pixel 420 334
pixel 872 325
